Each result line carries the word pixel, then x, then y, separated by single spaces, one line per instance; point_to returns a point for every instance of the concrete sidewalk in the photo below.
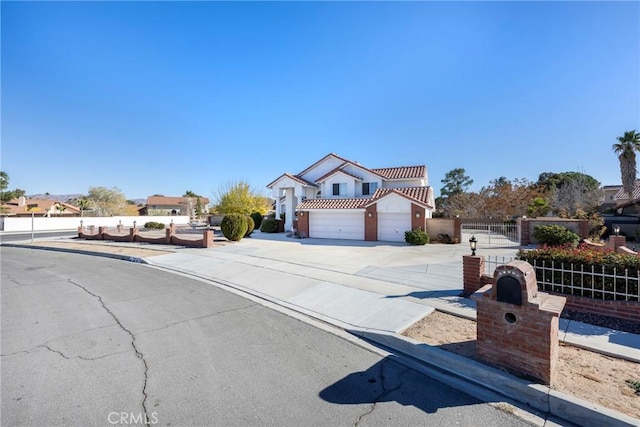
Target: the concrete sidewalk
pixel 376 290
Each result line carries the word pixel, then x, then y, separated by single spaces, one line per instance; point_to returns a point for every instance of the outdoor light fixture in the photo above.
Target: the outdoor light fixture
pixel 81 223
pixel 417 214
pixel 369 214
pixel 134 224
pixel 301 213
pixel 616 229
pixel 473 243
pixel 120 222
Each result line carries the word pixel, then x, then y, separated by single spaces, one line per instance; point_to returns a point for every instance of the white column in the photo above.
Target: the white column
pixel 289 209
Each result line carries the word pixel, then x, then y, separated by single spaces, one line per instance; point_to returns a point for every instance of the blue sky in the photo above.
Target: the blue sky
pixel 164 97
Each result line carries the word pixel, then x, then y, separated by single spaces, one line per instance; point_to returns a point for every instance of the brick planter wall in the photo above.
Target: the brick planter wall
pixel 626 310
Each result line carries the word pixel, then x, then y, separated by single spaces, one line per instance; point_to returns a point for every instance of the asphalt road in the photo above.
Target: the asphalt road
pixel 95 341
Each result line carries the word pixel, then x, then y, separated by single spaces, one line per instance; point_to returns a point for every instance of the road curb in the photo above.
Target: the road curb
pixel 129 258
pixel 539 397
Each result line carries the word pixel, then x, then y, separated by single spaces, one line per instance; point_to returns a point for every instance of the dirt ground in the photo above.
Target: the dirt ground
pixel 112 249
pixel 591 376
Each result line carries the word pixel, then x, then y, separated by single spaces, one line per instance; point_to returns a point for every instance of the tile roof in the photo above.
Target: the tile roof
pixel 341 169
pixel 293 177
pixel 322 160
pixel 42 206
pixel 418 194
pixel 402 172
pixel 621 194
pixel 332 204
pixel 172 201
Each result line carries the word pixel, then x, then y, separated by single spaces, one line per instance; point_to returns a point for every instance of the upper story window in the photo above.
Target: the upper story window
pixel 340 189
pixel 368 188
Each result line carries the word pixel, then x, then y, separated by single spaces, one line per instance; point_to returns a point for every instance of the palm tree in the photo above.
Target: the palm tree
pixel 61 208
pixel 83 204
pixel 626 149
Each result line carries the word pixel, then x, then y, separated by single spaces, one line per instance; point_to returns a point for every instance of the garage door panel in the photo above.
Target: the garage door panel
pixel 336 225
pixel 392 226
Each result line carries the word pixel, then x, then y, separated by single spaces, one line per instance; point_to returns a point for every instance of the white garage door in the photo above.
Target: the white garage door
pixel 391 226
pixel 331 225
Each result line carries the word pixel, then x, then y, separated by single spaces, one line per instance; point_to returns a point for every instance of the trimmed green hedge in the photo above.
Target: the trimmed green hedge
pixel 153 225
pixel 269 225
pixel 234 226
pixel 555 235
pixel 250 226
pixel 257 219
pixel 416 237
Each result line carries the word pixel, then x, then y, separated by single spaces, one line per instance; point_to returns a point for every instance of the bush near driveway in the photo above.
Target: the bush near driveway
pixel 234 226
pixel 416 237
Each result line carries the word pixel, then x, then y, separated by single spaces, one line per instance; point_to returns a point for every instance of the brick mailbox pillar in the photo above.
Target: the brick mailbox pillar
pixel 472 271
pixel 517 325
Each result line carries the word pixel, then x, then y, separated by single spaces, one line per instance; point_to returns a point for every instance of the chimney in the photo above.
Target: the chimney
pixel 22 201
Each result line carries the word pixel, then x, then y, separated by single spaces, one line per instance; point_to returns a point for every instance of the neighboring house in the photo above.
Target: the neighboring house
pixel 161 205
pixel 609 196
pixel 615 197
pixel 39 207
pixel 342 199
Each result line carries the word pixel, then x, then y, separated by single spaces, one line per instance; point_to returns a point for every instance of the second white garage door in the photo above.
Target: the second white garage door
pixel 391 226
pixel 347 225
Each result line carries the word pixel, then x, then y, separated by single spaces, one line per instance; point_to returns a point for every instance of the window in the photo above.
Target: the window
pixel 368 188
pixel 340 189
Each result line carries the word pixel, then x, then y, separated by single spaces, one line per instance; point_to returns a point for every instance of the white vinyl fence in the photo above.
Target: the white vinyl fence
pixel 36 223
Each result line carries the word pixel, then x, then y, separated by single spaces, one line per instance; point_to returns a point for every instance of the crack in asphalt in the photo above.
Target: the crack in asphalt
pixel 139 355
pixel 80 357
pixel 198 318
pixel 385 391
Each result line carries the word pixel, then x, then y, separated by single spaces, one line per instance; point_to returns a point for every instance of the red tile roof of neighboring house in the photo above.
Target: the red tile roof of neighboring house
pixel 332 204
pixel 402 172
pixel 172 201
pixel 621 194
pixel 42 206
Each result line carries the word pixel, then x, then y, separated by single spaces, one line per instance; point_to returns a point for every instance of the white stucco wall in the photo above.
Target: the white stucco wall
pixel 394 203
pixel 322 169
pixel 61 223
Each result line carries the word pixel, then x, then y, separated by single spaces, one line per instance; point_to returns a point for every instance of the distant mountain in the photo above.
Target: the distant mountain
pixel 58 197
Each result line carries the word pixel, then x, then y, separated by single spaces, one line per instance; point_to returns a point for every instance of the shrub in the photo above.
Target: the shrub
pixel 234 226
pixel 269 225
pixel 153 225
pixel 250 226
pixel 555 235
pixel 584 271
pixel 416 237
pixel 257 219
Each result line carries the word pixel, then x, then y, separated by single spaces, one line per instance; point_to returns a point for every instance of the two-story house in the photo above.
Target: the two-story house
pixel 342 199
